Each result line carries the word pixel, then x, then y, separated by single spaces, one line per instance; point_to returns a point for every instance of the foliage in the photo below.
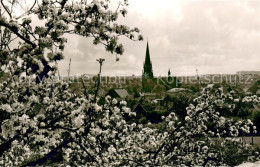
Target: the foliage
pixel 136 92
pixel 39 45
pixel 256 120
pixel 80 132
pixel 179 105
pixel 154 116
pixel 255 87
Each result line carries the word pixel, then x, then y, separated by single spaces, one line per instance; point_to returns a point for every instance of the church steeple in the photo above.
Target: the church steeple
pixel 147 55
pixel 169 76
pixel 148 70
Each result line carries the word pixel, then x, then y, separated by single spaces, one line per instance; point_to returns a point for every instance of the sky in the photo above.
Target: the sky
pixel 213 36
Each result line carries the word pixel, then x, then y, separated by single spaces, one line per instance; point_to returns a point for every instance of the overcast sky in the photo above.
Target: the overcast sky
pixel 213 36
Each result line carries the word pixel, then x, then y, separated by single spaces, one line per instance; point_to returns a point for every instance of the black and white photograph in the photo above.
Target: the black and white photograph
pixel 129 83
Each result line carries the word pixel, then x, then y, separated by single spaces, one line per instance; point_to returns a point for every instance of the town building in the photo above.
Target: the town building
pixel 248 73
pixel 148 80
pixel 118 93
pixel 151 84
pixel 147 69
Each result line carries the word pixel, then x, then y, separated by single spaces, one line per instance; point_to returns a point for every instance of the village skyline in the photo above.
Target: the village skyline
pixel 215 37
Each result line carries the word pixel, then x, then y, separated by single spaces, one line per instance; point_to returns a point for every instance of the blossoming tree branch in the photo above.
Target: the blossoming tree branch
pixel 39 45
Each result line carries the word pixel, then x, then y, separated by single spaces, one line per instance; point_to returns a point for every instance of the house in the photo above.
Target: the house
pixel 118 93
pixel 148 96
pixel 139 110
pixel 248 73
pixel 176 91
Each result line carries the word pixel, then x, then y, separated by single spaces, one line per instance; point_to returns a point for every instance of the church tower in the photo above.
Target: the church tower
pixel 148 69
pixel 169 76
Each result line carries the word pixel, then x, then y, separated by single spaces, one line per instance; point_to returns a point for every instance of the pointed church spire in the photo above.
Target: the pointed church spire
pixel 147 56
pixel 169 72
pixel 148 69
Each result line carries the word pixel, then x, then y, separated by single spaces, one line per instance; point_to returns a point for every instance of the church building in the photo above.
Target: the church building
pixel 150 84
pixel 147 75
pixel 148 69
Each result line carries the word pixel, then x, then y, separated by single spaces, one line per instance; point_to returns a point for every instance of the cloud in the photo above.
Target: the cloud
pixel 213 36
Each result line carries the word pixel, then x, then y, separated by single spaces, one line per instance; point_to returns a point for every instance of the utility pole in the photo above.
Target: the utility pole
pixel 69 69
pixel 100 61
pixel 58 70
pixel 198 78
